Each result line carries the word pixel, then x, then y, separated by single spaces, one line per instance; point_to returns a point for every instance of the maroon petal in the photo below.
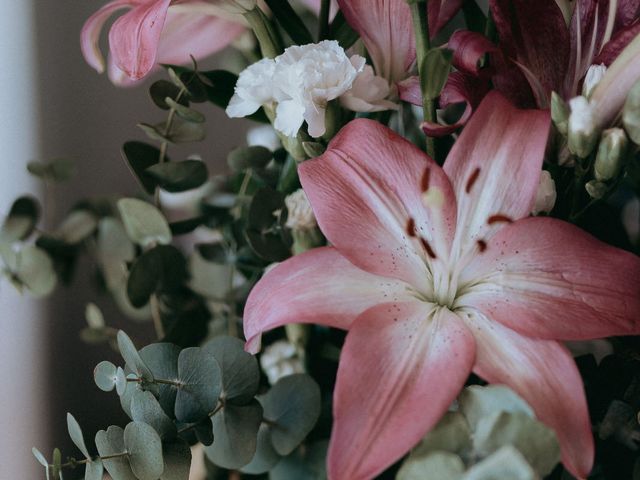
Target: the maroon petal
pixel 440 13
pixel 468 49
pixel 621 39
pixel 409 90
pixel 628 11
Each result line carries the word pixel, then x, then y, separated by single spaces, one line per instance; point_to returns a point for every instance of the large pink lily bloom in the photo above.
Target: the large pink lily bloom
pixel 438 272
pixel 153 32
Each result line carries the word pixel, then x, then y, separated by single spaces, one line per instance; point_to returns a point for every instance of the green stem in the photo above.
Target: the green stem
pixel 423 44
pixel 323 20
pixel 75 462
pixel 265 31
pixel 156 315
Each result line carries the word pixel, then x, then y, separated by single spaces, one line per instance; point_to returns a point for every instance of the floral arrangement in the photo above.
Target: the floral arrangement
pixel 423 265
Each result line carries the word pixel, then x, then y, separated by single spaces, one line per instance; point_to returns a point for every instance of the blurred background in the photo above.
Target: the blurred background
pixel 54 105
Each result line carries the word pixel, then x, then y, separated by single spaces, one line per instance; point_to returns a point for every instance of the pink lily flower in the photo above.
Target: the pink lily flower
pixel 438 272
pixel 153 32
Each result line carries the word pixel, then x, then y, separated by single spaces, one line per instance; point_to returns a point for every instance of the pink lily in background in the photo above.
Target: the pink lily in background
pixel 156 31
pixel 438 272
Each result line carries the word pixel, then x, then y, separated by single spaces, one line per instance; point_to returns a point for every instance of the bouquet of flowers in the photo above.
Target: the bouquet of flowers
pixel 403 274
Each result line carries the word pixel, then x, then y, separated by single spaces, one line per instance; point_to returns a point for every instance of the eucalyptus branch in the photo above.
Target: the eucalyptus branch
pixel 72 463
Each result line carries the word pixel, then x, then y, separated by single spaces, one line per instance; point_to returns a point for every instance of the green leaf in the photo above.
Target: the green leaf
pixel 201 383
pixel 535 441
pixel 235 433
pixel 56 463
pixel 221 89
pixel 292 408
pixel 131 388
pixel 265 457
pixel 78 225
pixel 162 360
pixel 204 432
pixel 110 443
pixel 105 376
pixel 342 31
pixel 242 158
pixel 186 132
pixel 75 432
pixel 304 464
pixel 121 381
pixel 438 64
pixel 505 463
pixel 177 461
pixel 478 402
pixel 185 112
pixel 40 457
pixel 114 250
pixel 32 269
pixel 140 156
pixel 161 90
pixel 290 21
pixel 155 132
pixel 451 434
pixel 58 170
pixel 240 371
pixel 94 470
pixel 143 222
pixel 162 269
pixel 132 357
pixel 146 409
pixel 179 176
pixel 265 233
pixel 145 451
pixel 434 466
pixel 21 220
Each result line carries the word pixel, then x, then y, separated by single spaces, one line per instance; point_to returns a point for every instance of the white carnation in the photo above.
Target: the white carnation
pixel 253 89
pixel 300 215
pixel 279 360
pixel 369 93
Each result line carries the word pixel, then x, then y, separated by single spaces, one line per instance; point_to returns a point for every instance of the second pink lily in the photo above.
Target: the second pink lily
pixel 438 272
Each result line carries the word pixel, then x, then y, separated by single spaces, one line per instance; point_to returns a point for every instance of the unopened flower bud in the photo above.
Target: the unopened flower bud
pixel 546 196
pixel 238 6
pixel 300 215
pixel 279 360
pixel 592 78
pixel 583 131
pixel 596 189
pixel 631 114
pixel 559 113
pixel 611 153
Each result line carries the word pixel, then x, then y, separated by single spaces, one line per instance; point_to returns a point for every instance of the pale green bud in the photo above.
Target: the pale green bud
pixel 559 113
pixel 596 189
pixel 631 114
pixel 546 195
pixel 583 129
pixel 611 153
pixel 592 78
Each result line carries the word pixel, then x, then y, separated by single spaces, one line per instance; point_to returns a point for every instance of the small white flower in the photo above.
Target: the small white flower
pixel 369 93
pixel 546 196
pixel 279 360
pixel 592 78
pixel 582 132
pixel 300 215
pixel 263 136
pixel 253 89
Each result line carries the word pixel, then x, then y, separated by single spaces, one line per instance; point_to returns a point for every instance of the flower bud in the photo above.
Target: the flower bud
pixel 611 153
pixel 300 215
pixel 583 131
pixel 238 6
pixel 631 114
pixel 592 78
pixel 546 196
pixel 559 113
pixel 596 189
pixel 279 360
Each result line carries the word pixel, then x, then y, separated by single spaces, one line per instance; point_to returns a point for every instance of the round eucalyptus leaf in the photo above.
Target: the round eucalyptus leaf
pixel 114 250
pixel 40 457
pixel 146 409
pixel 177 461
pixel 121 381
pixel 535 441
pixel 179 176
pixel 160 90
pixel 154 132
pixel 143 222
pixel 243 158
pixel 291 407
pixel 33 270
pixel 186 132
pixel 94 470
pixel 140 156
pixel 78 225
pixel 507 462
pixel 145 450
pixel 75 432
pixel 162 360
pixel 94 316
pixel 307 464
pixel 132 357
pixel 57 170
pixel 451 434
pixel 131 388
pixel 478 402
pixel 433 466
pixel 21 220
pixel 200 378
pixel 110 443
pixel 184 112
pixel 235 433
pixel 105 376
pixel 240 371
pixel 204 432
pixel 265 457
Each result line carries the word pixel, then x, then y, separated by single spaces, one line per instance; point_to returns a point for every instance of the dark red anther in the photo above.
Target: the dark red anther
pixel 498 218
pixel 411 227
pixel 424 181
pixel 472 179
pixel 482 245
pixel 428 248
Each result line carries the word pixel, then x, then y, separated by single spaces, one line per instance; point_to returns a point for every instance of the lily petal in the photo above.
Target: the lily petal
pixel 532 284
pixel 495 168
pixel 398 360
pixel 468 49
pixel 290 293
pixel 90 33
pixel 386 29
pixel 134 37
pixel 367 191
pixel 544 374
pixel 440 13
pixel 614 47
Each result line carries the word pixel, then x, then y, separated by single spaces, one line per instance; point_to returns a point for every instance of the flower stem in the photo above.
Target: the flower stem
pixel 266 33
pixel 323 20
pixel 423 44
